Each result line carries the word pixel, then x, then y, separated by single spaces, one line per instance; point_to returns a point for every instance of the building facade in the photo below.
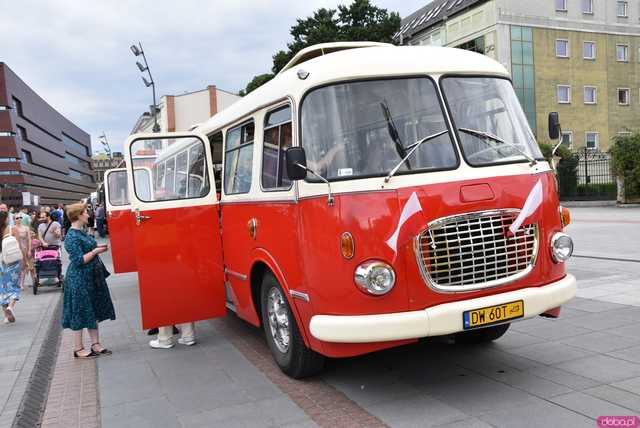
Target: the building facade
pixel 184 111
pixel 101 162
pixel 41 152
pixel 580 58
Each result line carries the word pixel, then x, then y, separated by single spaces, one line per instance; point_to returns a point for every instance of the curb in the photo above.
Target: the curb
pixel 35 376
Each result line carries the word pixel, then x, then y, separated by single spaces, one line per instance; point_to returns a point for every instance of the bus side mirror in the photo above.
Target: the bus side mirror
pixel 554 125
pixel 296 163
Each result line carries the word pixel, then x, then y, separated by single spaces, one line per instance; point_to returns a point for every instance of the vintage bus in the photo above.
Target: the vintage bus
pixel 368 196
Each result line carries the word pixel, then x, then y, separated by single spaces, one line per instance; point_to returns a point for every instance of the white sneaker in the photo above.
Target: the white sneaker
pixel 187 342
pixel 156 344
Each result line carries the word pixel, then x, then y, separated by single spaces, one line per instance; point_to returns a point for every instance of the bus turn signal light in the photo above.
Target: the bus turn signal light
pixel 347 245
pixel 565 216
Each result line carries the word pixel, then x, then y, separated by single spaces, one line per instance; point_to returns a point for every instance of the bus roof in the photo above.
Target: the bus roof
pixel 369 62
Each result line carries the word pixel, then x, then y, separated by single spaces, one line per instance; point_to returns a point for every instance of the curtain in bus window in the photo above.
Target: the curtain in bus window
pixel 181 174
pixel 197 184
pixel 239 159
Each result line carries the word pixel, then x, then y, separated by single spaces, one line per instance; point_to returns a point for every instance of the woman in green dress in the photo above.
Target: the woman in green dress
pixel 86 297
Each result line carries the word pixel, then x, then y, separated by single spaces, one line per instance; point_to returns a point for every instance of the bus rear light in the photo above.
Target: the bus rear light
pixel 347 245
pixel 375 277
pixel 565 216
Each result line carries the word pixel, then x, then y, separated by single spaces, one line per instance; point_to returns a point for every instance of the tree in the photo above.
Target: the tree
pixel 360 21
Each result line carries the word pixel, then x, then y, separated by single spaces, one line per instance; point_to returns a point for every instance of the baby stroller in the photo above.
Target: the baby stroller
pixel 48 264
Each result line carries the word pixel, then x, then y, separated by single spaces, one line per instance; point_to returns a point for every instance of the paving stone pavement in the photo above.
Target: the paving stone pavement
pixel 564 372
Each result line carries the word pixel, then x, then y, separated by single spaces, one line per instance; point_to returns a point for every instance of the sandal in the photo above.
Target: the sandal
pixel 91 354
pixel 104 351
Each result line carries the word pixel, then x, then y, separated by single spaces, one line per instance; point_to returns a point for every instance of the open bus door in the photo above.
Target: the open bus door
pixel 176 230
pixel 120 220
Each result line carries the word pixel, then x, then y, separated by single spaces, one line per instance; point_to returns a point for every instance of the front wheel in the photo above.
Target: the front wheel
pixel 482 335
pixel 282 333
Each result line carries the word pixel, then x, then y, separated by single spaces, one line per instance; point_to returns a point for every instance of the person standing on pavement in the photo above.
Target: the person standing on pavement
pixel 9 275
pixel 86 296
pixel 165 336
pixel 49 231
pixel 22 233
pixel 100 218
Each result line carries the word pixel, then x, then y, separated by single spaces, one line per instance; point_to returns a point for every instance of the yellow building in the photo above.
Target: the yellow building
pixel 580 58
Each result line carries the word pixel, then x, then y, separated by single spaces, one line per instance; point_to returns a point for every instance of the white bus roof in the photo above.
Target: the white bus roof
pixel 369 62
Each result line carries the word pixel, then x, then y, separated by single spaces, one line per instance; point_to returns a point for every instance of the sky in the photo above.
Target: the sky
pixel 76 55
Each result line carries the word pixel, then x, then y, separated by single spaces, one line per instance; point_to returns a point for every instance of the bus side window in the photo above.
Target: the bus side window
pixel 239 159
pixel 277 138
pixel 215 143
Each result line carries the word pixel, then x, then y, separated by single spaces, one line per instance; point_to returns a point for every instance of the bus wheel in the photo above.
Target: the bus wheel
pixel 282 333
pixel 482 335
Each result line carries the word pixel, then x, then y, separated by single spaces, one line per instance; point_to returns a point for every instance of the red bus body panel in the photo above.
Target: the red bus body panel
pixel 121 237
pixel 180 271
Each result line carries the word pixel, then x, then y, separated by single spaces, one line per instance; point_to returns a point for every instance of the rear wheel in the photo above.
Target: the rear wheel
pixel 282 333
pixel 482 335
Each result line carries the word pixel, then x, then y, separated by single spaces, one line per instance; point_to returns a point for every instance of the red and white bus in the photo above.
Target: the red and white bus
pixel 366 197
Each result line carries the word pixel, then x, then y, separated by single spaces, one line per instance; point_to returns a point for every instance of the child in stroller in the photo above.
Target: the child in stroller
pixel 48 264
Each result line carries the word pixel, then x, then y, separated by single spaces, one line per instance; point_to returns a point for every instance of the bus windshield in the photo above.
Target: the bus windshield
pixel 366 128
pixel 490 123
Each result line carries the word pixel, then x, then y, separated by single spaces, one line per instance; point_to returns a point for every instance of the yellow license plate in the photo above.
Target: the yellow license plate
pixel 492 314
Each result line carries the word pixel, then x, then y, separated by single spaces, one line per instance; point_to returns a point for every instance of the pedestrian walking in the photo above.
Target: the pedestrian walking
pixel 92 221
pixel 100 218
pixel 10 268
pixel 165 336
pixel 86 296
pixel 22 233
pixel 49 231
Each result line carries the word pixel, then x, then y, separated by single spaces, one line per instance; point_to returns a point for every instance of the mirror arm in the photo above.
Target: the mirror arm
pixel 553 152
pixel 330 197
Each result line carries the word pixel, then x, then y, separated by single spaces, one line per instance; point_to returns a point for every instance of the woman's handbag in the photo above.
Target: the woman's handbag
pixel 100 272
pixel 11 252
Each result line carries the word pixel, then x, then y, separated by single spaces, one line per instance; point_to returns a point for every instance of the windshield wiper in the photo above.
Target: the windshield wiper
pixel 412 148
pixel 393 131
pixel 488 136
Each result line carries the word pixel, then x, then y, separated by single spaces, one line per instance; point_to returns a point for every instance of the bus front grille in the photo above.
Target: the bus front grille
pixel 472 251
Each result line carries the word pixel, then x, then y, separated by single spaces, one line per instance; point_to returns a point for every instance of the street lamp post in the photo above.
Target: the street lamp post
pixel 105 144
pixel 137 51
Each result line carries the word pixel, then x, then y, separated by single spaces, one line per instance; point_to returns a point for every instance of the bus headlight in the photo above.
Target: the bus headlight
pixel 375 277
pixel 561 247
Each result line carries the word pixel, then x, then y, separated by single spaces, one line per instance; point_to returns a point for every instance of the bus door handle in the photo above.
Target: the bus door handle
pixel 140 218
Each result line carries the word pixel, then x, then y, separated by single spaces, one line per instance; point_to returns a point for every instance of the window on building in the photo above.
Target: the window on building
pixel 80 175
pixel 277 138
pixel 589 50
pixel 592 140
pixel 4 108
pixel 622 53
pixel 561 5
pixel 624 96
pixel 624 133
pixel 564 94
pixel 567 139
pixel 17 106
pixel 475 45
pixel 5 160
pixel 590 95
pixel 22 133
pixel 562 48
pixel 26 157
pixel 622 9
pixel 9 172
pixel 522 69
pixel 76 160
pixel 238 160
pixel 587 6
pixel 7 134
pixel 74 145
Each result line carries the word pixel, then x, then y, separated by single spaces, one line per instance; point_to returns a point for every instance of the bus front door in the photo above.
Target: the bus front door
pixel 120 220
pixel 176 229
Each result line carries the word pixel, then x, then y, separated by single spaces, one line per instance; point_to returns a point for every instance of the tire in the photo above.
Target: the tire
pixel 286 344
pixel 482 335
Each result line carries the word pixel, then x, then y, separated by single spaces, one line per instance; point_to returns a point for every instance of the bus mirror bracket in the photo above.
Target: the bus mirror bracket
pixel 297 169
pixel 555 132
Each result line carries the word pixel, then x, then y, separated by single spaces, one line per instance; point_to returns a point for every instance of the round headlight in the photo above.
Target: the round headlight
pixel 375 277
pixel 561 247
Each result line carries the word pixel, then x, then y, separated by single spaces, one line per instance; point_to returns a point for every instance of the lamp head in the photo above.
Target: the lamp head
pixel 135 50
pixel 146 82
pixel 140 66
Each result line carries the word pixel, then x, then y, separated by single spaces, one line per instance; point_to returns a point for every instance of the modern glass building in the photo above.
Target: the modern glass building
pixel 41 152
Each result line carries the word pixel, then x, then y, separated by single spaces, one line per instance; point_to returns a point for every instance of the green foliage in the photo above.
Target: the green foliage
pixel 360 21
pixel 625 157
pixel 592 189
pixel 255 83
